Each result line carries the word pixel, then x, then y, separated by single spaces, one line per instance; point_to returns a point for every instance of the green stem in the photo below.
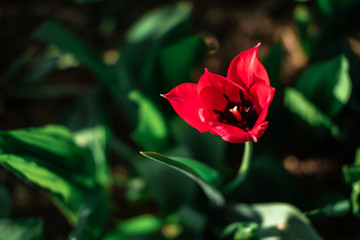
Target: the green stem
pixel 244 168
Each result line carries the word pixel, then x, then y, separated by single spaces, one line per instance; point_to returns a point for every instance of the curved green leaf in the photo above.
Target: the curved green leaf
pixel 206 177
pixel 284 221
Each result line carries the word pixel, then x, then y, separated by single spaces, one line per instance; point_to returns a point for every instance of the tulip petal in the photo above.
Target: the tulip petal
pixel 263 94
pixel 214 90
pixel 246 69
pixel 230 133
pixel 186 102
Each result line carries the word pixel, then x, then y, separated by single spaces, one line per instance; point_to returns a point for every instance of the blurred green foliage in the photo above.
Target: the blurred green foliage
pixel 92 155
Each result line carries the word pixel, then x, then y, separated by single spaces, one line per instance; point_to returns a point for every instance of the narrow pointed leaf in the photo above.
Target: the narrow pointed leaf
pixel 203 175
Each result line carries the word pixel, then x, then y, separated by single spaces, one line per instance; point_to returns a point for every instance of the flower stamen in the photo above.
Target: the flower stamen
pixel 236 113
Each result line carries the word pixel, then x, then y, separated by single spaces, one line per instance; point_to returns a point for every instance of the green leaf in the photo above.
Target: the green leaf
pixel 151 41
pixel 158 23
pixel 96 139
pixel 203 175
pixel 355 198
pixel 5 203
pixel 137 226
pixel 21 229
pixel 50 158
pixel 151 131
pixel 352 172
pixel 170 195
pixel 338 208
pixel 241 230
pixel 27 168
pixel 298 104
pixel 53 32
pixel 283 221
pixel 327 85
pixel 178 59
pixel 52 147
pixel 93 215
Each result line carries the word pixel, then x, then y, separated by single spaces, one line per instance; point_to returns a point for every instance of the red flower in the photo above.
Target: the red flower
pixel 234 107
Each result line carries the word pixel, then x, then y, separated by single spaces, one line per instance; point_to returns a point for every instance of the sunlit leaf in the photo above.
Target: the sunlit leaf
pixel 338 208
pixel 96 139
pixel 203 175
pixel 285 222
pixel 158 22
pixel 298 104
pixel 137 226
pixel 21 229
pixel 51 147
pixel 327 85
pixel 241 230
pixel 355 198
pixel 151 131
pixel 50 158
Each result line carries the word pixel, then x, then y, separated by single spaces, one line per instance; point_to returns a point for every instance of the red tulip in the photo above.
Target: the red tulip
pixel 234 107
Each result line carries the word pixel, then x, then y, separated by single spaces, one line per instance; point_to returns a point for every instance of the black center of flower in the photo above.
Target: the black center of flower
pixel 241 114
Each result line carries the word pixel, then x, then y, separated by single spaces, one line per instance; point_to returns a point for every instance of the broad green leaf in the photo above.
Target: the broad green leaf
pixel 28 169
pixel 284 221
pixel 50 158
pixel 137 226
pixel 241 230
pixel 5 203
pixel 21 229
pixel 151 131
pixel 298 104
pixel 203 175
pixel 53 32
pixel 327 85
pixel 52 147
